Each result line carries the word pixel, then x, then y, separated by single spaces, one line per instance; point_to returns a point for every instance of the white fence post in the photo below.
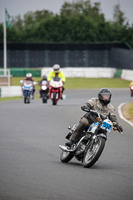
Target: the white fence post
pixel 6 75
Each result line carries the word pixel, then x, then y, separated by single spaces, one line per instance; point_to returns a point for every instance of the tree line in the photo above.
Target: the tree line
pixel 78 21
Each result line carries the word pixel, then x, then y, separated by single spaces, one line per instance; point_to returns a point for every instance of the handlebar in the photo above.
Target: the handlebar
pixel 117 128
pixel 87 109
pixel 115 125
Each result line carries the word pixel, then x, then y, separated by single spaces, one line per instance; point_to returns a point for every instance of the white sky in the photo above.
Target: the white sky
pixel 20 7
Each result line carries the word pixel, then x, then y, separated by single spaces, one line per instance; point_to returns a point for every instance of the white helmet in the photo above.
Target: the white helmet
pixel 29 75
pixel 56 68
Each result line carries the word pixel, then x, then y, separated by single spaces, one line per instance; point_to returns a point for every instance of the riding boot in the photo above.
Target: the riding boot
pixel 70 143
pixel 76 135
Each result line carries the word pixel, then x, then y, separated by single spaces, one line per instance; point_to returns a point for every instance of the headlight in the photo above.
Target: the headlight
pixel 132 87
pixel 44 87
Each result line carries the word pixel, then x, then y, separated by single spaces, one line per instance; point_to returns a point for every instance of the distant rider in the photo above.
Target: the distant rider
pixel 57 72
pixel 131 88
pixel 29 78
pixel 103 106
pixel 131 83
pixel 44 78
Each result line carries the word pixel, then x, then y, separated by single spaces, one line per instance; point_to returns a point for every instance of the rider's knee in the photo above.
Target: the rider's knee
pixel 84 121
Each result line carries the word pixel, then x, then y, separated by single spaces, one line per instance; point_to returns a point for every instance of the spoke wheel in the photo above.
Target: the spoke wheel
pixel 91 156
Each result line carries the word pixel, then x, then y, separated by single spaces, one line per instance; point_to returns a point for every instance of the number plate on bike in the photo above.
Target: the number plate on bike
pixel 107 125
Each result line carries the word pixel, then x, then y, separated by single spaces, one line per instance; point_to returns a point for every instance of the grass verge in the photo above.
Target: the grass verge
pixel 130 109
pixel 84 83
pixel 9 98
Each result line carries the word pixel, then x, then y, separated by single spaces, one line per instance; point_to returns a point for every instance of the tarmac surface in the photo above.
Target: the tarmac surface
pixel 30 166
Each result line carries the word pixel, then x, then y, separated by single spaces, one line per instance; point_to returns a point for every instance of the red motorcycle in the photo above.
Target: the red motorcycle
pixel 55 89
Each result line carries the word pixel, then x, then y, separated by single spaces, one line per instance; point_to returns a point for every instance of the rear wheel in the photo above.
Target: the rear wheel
pixel 91 156
pixel 65 156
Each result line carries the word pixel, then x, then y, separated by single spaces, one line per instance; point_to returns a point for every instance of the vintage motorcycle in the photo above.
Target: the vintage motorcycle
pixel 27 89
pixel 55 89
pixel 89 148
pixel 44 91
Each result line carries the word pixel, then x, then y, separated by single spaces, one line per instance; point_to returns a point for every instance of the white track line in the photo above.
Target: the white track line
pixel 121 115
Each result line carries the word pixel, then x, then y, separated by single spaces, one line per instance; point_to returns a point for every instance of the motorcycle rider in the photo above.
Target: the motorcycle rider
pixel 130 86
pixel 103 106
pixel 28 77
pixel 57 72
pixel 44 78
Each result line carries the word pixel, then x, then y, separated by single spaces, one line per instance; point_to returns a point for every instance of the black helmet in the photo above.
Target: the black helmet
pixel 104 96
pixel 44 77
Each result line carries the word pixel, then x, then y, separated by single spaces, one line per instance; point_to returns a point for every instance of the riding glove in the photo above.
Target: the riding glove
pixel 119 128
pixel 85 108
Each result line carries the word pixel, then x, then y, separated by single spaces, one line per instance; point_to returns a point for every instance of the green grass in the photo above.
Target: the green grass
pixel 9 98
pixel 15 98
pixel 131 109
pixel 80 83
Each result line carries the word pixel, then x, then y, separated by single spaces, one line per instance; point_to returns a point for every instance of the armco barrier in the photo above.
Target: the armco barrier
pixel 90 72
pixel 127 75
pixel 10 91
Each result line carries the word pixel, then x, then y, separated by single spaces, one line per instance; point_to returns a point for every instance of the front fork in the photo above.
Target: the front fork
pixel 94 136
pixel 92 142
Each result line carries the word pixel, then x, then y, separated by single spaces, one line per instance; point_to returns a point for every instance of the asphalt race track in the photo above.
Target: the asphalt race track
pixel 30 166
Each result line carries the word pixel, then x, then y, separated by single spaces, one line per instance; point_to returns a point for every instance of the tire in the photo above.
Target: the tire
pixel 25 98
pixel 29 98
pixel 44 98
pixel 54 98
pixel 92 156
pixel 65 157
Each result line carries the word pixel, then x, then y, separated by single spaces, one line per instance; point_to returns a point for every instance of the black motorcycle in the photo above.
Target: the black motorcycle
pixel 44 91
pixel 89 148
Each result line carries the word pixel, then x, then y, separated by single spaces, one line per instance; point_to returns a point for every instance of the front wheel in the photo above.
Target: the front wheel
pixel 44 98
pixel 91 156
pixel 25 99
pixel 54 98
pixel 65 156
